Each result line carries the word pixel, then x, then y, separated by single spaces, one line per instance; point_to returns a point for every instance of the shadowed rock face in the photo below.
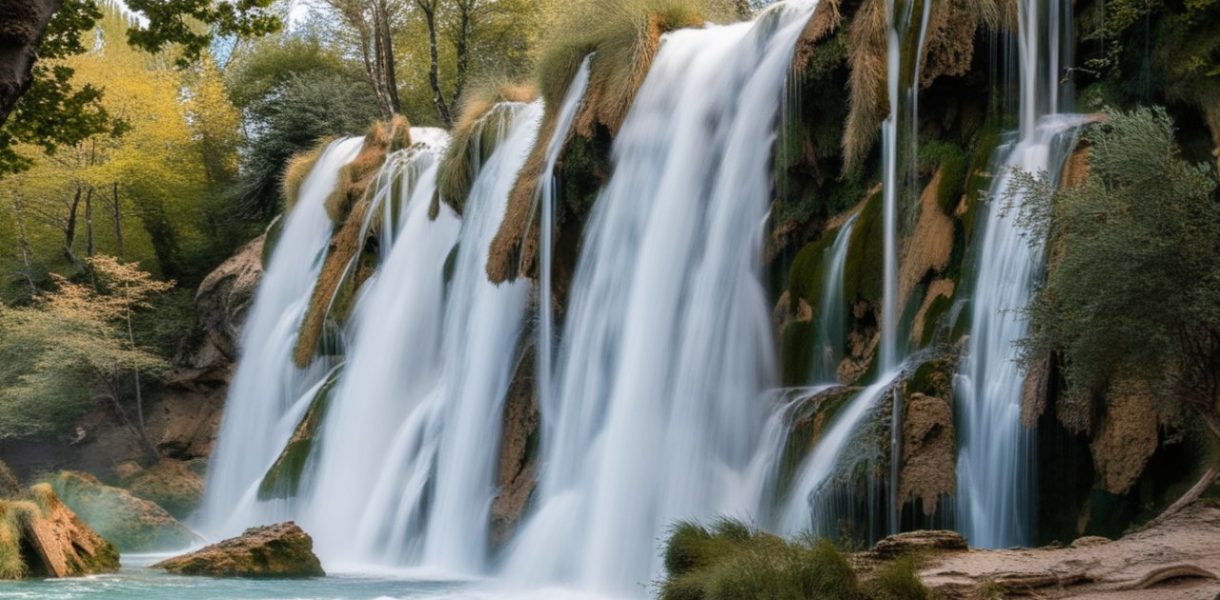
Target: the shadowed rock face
pixel 275 551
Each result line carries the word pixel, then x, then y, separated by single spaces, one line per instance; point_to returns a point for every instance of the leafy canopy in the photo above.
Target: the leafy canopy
pixel 1134 285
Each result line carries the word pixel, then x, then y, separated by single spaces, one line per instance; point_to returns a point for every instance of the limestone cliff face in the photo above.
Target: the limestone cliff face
pixel 185 420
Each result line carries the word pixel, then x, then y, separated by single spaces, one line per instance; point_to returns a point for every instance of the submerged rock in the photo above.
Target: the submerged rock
pixel 130 523
pixel 171 484
pixel 41 537
pixel 275 551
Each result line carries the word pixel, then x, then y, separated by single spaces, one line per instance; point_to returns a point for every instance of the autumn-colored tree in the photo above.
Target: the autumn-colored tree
pixel 76 342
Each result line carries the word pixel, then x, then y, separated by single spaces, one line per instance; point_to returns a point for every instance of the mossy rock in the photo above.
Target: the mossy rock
pixel 280 551
pixel 274 231
pixel 130 523
pixel 42 537
pixel 171 484
pixel 797 350
pixel 863 272
pixel 283 479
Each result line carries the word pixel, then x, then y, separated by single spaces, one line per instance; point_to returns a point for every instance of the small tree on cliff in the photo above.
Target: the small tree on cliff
pixel 52 354
pixel 1134 286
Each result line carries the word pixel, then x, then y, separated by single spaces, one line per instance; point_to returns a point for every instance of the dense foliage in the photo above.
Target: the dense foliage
pixel 1133 291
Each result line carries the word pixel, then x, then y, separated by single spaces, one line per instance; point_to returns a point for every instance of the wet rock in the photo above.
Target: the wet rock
pixel 171 484
pixel 130 523
pixel 518 462
pixel 209 352
pixel 275 551
pixel 41 537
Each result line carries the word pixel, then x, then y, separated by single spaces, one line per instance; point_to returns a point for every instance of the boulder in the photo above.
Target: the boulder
pixel 919 542
pixel 171 484
pixel 9 486
pixel 41 537
pixel 275 551
pixel 209 352
pixel 130 523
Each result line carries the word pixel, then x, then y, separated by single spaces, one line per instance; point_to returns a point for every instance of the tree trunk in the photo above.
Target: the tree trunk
pixel 19 47
pixel 386 43
pixel 434 73
pixel 118 223
pixel 89 223
pixel 463 47
pixel 70 228
pixel 1205 482
pixel 23 242
pixel 151 456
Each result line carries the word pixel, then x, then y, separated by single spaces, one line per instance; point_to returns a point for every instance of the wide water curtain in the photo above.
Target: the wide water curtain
pixel 667 345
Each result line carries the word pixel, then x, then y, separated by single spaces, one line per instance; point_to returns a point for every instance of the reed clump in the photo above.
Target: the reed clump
pixel 475 135
pixel 347 207
pixel 297 170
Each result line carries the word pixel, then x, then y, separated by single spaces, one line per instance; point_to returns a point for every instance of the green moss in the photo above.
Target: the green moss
pixel 897 580
pixel 931 319
pixel 808 271
pixel 862 274
pixel 797 347
pixel 731 562
pixel 283 479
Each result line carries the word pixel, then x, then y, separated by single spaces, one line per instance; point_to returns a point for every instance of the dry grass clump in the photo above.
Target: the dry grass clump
pixel 355 177
pixel 948 51
pixel 826 19
pixel 14 515
pixel 297 169
pixel 347 206
pixel 623 36
pixel 477 132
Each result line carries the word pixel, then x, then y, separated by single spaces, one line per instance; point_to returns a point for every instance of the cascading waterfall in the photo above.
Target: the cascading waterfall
pixel 667 335
pixel 392 362
pixel 425 380
pixel 800 511
pixel 833 308
pixel 264 400
pixel 547 192
pixel 995 498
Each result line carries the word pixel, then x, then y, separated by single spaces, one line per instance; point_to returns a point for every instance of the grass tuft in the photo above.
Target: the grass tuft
pixel 297 170
pixel 731 561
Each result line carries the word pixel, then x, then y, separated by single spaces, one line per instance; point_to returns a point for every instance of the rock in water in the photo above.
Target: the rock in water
pixel 274 551
pixel 133 524
pixel 41 537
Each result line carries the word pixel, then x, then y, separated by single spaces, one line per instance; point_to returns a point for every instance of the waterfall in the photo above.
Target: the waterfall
pixel 667 339
pixel 548 191
pixel 995 498
pixel 259 416
pixel 833 309
pixel 406 467
pixel 392 362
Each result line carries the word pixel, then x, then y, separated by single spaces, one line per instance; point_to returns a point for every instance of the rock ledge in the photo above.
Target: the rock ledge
pixel 274 551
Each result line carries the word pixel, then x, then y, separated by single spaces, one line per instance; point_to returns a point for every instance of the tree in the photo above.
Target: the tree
pixel 370 22
pixel 72 341
pixel 292 93
pixel 1134 286
pixel 33 32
